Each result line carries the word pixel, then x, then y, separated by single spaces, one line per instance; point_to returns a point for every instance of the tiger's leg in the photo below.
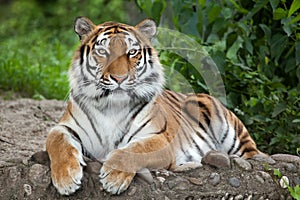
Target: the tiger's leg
pixel 66 160
pixel 122 164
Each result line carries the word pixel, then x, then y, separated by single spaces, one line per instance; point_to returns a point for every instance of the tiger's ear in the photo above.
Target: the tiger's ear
pixel 147 27
pixel 83 26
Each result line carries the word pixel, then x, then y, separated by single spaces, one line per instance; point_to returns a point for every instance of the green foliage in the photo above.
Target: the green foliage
pixel 294 191
pixel 256 47
pixel 37 42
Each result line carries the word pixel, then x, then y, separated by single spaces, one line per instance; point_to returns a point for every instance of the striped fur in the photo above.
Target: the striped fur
pixel 119 113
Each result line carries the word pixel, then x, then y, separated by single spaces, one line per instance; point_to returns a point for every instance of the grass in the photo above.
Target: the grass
pixel 36 67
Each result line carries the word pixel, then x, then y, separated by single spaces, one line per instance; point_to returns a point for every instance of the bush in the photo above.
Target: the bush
pixel 256 47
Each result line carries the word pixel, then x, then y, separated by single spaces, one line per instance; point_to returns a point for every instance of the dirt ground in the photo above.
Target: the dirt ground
pixel 24 124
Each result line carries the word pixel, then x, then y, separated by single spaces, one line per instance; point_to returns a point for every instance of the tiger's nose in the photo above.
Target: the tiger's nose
pixel 118 78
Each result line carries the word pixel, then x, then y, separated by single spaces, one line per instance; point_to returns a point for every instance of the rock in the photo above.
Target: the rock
pixel 242 163
pixel 38 175
pixel 161 179
pixel 238 197
pixel 216 159
pixel 289 167
pixel 234 182
pixel 265 175
pixel 195 181
pixel 259 179
pixel 264 158
pixel 5 164
pixel 14 174
pixel 28 189
pixel 189 198
pixel 286 158
pixel 214 179
pixel 41 157
pixel 131 191
pixel 178 184
pixel 297 181
pixel 284 182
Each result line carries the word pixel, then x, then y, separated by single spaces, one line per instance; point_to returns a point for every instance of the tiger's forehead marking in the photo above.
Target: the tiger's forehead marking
pixel 115 34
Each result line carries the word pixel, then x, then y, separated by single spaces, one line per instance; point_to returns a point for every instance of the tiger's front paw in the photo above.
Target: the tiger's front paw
pixel 115 181
pixel 67 174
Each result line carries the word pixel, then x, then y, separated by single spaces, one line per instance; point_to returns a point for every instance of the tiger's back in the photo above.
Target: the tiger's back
pixel 119 113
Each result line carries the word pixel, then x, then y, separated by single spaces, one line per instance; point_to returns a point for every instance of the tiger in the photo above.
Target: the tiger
pixel 119 113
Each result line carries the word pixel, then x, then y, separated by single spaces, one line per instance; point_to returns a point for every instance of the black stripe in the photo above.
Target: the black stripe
pixel 226 132
pixel 195 120
pixel 94 40
pixel 108 33
pixel 172 94
pixel 145 53
pixel 234 141
pixel 138 130
pixel 247 150
pixel 232 146
pixel 77 138
pixel 239 128
pixel 77 123
pixel 188 125
pixel 81 54
pixel 128 125
pixel 198 148
pixel 149 51
pixel 85 111
pixel 172 100
pixel 185 122
pixel 73 133
pixel 163 129
pixel 237 149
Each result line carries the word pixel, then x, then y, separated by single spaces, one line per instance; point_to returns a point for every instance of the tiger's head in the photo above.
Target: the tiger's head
pixel 116 61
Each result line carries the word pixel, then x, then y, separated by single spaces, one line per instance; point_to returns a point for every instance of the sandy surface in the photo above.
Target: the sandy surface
pixel 24 125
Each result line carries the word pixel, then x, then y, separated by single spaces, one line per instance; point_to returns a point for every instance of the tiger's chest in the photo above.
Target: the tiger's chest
pixel 102 131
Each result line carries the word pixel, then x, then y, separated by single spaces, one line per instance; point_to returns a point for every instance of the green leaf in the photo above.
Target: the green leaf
pixel 157 10
pixel 257 7
pixel 277 173
pixel 294 7
pixel 267 32
pixel 279 108
pixel 232 51
pixel 146 6
pixel 279 13
pixel 278 44
pixel 297 52
pixel 298 73
pixel 214 13
pixel 295 192
pixel 239 9
pixel 249 45
pixel 295 19
pixel 274 4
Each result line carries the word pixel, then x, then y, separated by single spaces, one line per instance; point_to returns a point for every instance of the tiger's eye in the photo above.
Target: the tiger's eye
pixel 102 51
pixel 132 52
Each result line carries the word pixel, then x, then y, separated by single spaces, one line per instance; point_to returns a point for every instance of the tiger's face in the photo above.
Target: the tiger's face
pixel 116 61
